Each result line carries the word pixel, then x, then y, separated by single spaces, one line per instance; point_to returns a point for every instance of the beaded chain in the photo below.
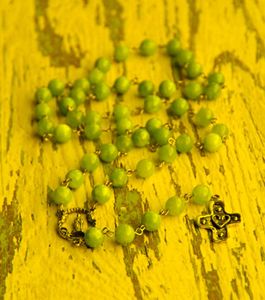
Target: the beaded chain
pixel 72 100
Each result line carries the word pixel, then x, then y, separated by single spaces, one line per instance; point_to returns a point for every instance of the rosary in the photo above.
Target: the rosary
pixel 74 104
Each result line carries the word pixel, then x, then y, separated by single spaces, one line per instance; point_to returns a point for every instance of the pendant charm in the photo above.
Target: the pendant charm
pixel 217 220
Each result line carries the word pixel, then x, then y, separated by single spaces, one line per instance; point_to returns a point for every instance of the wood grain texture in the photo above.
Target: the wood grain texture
pixel 42 39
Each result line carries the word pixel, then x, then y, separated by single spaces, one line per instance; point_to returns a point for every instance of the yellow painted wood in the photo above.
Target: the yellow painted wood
pixel 43 39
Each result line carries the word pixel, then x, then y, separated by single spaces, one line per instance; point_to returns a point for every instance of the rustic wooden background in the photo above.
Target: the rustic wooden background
pixel 42 39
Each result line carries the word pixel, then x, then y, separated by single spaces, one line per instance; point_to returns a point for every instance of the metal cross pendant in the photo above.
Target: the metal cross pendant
pixel 217 220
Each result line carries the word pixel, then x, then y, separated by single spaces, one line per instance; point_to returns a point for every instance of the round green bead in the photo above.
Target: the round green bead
pixel 192 90
pixel 66 104
pixel 212 91
pixel 183 57
pixel 167 88
pixel 193 70
pixel 152 104
pixel 167 153
pixel 61 195
pixel 153 124
pixel 103 64
pixel 212 142
pixel 124 143
pixel 151 220
pixel 145 88
pixel 216 77
pixel 75 178
pixel 56 87
pixel 121 52
pixel 121 85
pixel 201 194
pixel 82 83
pixel 101 193
pixel 95 76
pixel 147 47
pixel 184 143
pixel 161 135
pixel 120 111
pixel 141 137
pixel 101 91
pixel 118 177
pixel 173 46
pixel 89 162
pixel 123 125
pixel 43 94
pixel 78 95
pixel 45 127
pixel 62 133
pixel 124 234
pixel 145 168
pixel 42 110
pixel 91 117
pixel 179 107
pixel 94 237
pixel 175 205
pixel 92 131
pixel 108 152
pixel 74 118
pixel 222 130
pixel 203 117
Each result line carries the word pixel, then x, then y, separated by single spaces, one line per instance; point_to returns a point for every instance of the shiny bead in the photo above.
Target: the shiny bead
pixel 74 118
pixel 152 104
pixel 192 90
pixel 201 194
pixel 151 220
pixel 43 94
pixel 42 110
pixel 103 64
pixel 62 133
pixel 120 111
pixel 175 205
pixel 118 177
pixel 83 84
pixel 124 234
pixel 92 131
pixel 193 70
pixel 153 124
pixel 212 142
pixel 61 195
pixel 183 57
pixel 167 153
pixel 123 125
pixel 108 152
pixel 89 162
pixel 56 87
pixel 124 143
pixel 101 193
pixel 173 47
pixel 222 130
pixel 216 77
pixel 167 88
pixel 121 52
pixel 147 47
pixel 161 135
pixel 66 104
pixel 101 91
pixel 145 88
pixel 92 117
pixel 184 143
pixel 212 91
pixel 203 117
pixel 140 137
pixel 75 178
pixel 121 85
pixel 145 168
pixel 95 76
pixel 93 237
pixel 78 95
pixel 179 107
pixel 45 127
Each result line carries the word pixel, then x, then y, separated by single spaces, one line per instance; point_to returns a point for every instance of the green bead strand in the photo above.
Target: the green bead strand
pixel 124 234
pixel 151 220
pixel 145 168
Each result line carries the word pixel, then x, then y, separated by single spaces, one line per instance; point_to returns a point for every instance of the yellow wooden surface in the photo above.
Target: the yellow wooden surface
pixel 42 39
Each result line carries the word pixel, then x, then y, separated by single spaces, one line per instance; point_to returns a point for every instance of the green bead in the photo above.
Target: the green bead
pixel 89 162
pixel 145 168
pixel 121 52
pixel 95 76
pixel 124 234
pixel 193 70
pixel 179 107
pixel 161 135
pixel 108 152
pixel 94 237
pixel 66 104
pixel 175 205
pixel 140 137
pixel 167 153
pixel 45 127
pixel 78 95
pixel 101 193
pixel 173 46
pixel 74 118
pixel 153 124
pixel 212 91
pixel 183 57
pixel 151 220
pixel 201 194
pixel 43 94
pixel 118 177
pixel 147 47
pixel 152 104
pixel 184 143
pixel 222 130
pixel 167 88
pixel 91 117
pixel 62 133
pixel 124 143
pixel 56 87
pixel 120 111
pixel 145 88
pixel 75 178
pixel 103 64
pixel 92 131
pixel 123 125
pixel 61 195
pixel 42 110
pixel 121 85
pixel 203 117
pixel 192 90
pixel 212 142
pixel 82 83
pixel 216 77
pixel 101 91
